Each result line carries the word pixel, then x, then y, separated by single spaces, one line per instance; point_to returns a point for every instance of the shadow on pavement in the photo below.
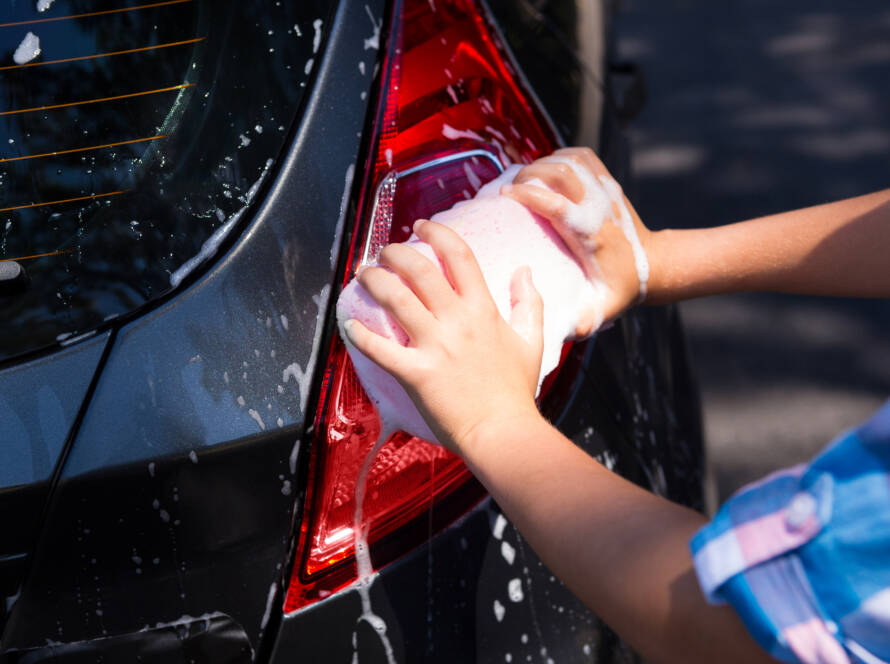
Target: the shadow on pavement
pixel 757 107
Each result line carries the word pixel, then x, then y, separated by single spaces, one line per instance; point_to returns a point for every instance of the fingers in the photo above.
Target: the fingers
pixel 588 323
pixel 527 314
pixel 388 354
pixel 558 176
pixel 554 208
pixel 548 204
pixel 457 257
pixel 421 275
pixel 586 157
pixel 391 293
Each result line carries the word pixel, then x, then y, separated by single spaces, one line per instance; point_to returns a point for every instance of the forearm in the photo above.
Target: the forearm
pixel 620 549
pixel 840 249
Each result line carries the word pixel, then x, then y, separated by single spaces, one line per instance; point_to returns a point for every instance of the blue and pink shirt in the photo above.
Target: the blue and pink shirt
pixel 804 555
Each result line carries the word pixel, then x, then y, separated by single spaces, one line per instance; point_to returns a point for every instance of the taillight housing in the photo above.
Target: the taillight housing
pixel 451 114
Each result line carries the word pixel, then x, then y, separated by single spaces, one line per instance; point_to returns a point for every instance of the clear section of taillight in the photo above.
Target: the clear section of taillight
pixel 451 114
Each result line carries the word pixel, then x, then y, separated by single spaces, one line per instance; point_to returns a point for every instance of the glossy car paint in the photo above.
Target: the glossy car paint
pixel 176 505
pixel 163 424
pixel 39 403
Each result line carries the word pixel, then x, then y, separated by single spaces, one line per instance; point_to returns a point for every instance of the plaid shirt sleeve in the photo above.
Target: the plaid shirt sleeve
pixel 804 555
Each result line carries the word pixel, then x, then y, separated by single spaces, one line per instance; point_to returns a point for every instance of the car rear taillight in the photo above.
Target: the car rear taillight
pixel 451 114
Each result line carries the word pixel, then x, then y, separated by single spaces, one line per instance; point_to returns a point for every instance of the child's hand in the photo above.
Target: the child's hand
pixel 575 205
pixel 465 367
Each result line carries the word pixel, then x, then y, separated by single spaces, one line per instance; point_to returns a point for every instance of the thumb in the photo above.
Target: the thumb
pixel 527 309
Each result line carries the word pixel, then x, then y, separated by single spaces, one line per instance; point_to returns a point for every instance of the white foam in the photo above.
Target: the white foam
pixel 316 38
pixel 626 224
pixel 472 178
pixel 504 236
pixel 43 5
pixel 268 612
pixel 500 523
pixel 514 590
pixel 27 50
pixel 499 610
pixel 587 217
pixel 292 459
pixel 453 134
pixel 257 418
pixel 364 568
pixel 374 40
pixel 303 377
pixel 208 249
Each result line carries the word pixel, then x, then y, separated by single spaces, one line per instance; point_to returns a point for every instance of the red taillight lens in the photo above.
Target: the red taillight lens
pixel 451 114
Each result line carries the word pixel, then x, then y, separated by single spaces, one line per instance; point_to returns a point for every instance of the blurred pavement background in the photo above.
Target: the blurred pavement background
pixel 758 106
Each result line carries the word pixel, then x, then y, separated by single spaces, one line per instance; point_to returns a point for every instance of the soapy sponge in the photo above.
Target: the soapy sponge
pixel 503 236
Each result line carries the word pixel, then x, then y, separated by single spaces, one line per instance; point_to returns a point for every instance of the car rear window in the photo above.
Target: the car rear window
pixel 132 136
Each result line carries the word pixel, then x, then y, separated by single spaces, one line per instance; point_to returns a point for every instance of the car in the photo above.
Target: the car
pixel 185 188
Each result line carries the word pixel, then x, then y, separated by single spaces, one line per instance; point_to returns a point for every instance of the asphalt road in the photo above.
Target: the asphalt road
pixel 758 106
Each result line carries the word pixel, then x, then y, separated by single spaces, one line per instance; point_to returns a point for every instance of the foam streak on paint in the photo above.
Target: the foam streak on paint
pixel 364 569
pixel 302 377
pixel 374 40
pixel 211 245
pixel 292 459
pixel 207 249
pixel 316 38
pixel 27 50
pixel 257 418
pixel 268 612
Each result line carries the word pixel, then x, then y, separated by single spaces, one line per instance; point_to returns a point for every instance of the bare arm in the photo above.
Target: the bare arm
pixel 620 549
pixel 840 248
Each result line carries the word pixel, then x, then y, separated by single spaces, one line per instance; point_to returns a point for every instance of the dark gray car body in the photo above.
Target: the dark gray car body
pixel 157 518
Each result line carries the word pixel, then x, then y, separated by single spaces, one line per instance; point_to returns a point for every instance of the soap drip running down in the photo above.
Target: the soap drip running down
pixel 364 569
pixel 504 236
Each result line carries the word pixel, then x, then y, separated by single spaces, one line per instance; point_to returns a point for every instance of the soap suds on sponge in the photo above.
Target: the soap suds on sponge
pixel 504 236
